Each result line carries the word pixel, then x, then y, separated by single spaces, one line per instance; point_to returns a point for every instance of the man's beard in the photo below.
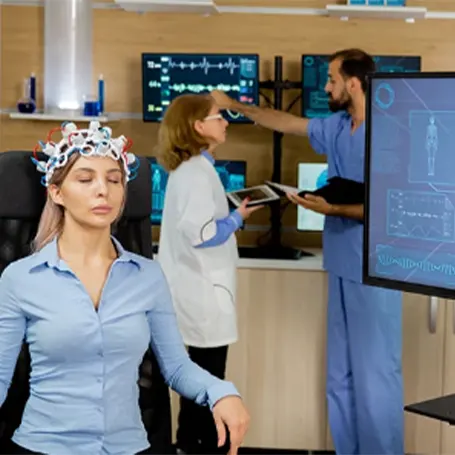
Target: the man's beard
pixel 336 105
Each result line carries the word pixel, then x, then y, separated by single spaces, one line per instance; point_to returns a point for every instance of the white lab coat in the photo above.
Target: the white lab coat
pixel 202 280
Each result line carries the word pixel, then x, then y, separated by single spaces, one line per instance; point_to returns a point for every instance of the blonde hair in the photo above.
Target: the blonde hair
pixel 53 215
pixel 178 140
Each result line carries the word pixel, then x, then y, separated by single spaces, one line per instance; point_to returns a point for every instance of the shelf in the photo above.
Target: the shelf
pixel 376 12
pixel 168 6
pixel 58 117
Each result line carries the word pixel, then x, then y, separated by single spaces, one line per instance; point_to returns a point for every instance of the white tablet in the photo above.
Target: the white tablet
pixel 282 189
pixel 258 195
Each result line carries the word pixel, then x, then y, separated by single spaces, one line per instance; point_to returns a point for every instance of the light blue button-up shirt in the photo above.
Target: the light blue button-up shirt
pixel 83 385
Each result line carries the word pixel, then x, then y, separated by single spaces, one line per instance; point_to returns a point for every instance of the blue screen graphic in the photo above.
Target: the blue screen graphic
pixel 166 76
pixel 315 102
pixel 411 201
pixel 232 175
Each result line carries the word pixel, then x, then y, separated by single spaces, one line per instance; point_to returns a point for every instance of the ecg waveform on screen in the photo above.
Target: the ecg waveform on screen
pixel 420 215
pixel 205 65
pixel 195 88
pixel 413 265
pixel 200 88
pixel 387 260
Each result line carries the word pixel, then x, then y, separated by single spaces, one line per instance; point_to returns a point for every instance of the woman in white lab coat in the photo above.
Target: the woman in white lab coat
pixel 198 250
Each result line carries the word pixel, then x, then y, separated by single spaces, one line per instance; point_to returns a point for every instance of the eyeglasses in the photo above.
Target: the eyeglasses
pixel 214 117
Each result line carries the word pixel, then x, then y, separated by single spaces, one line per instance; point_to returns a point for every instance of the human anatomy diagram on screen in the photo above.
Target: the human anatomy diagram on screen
pixel 412 181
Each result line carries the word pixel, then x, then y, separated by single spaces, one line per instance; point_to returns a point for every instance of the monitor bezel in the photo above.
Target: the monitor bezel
pixel 302 72
pixel 318 231
pixel 153 159
pixel 245 120
pixel 430 290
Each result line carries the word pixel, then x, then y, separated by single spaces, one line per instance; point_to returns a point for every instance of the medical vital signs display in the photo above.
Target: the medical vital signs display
pixel 315 102
pixel 166 76
pixel 410 182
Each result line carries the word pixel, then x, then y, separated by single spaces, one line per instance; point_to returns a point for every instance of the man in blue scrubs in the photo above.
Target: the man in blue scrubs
pixel 364 379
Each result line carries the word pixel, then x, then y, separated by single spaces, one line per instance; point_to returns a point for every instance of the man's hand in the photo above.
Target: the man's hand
pixel 222 100
pixel 231 412
pixel 311 202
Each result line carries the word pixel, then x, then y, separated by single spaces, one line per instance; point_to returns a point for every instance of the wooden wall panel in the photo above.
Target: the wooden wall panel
pixel 120 38
pixel 434 5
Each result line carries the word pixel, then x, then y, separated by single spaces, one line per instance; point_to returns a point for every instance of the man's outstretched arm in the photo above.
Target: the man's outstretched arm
pixel 266 117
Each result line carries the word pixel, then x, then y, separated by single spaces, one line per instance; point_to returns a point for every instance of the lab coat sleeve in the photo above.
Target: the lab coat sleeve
pixel 197 208
pixel 12 330
pixel 179 371
pixel 318 134
pixel 224 229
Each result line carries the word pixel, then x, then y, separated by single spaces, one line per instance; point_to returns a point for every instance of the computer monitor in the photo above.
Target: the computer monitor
pixel 315 102
pixel 410 183
pixel 166 76
pixel 310 176
pixel 232 175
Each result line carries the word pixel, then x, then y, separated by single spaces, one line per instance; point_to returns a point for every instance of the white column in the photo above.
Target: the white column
pixel 67 55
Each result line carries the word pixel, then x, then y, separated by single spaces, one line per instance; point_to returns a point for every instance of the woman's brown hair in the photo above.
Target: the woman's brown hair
pixel 51 221
pixel 178 140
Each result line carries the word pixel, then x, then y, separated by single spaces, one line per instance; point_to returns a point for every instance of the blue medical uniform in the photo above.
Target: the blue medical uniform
pixel 364 379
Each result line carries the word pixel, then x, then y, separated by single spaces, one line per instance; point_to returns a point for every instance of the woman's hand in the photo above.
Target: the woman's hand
pixel 231 412
pixel 245 211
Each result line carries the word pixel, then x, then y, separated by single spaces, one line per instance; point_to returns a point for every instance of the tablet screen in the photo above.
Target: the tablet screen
pixel 254 194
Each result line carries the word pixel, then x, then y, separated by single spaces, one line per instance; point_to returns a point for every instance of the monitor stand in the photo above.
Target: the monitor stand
pixel 272 252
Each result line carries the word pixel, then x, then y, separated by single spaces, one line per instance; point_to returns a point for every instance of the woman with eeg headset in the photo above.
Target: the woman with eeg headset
pixel 88 312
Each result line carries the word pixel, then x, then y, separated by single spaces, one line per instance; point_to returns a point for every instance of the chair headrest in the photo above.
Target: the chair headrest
pixel 23 196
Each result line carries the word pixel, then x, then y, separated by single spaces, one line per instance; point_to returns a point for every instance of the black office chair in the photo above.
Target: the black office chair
pixel 22 198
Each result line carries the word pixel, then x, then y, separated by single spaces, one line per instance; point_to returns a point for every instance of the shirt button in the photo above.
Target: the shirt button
pixel 99 380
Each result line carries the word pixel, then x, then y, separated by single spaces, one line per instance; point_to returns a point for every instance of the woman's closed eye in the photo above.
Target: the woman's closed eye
pixel 89 180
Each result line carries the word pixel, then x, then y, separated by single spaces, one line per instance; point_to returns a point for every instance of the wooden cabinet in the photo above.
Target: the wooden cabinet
pixel 278 364
pixel 448 385
pixel 423 361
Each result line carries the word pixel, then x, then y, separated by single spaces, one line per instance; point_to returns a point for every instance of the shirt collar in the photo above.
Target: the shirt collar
pixel 208 156
pixel 49 256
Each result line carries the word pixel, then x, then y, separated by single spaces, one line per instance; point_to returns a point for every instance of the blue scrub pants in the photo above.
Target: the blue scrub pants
pixel 364 380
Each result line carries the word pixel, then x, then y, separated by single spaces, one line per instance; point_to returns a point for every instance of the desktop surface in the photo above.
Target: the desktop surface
pixel 442 408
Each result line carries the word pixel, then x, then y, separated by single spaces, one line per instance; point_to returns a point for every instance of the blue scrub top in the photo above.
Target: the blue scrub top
pixel 343 237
